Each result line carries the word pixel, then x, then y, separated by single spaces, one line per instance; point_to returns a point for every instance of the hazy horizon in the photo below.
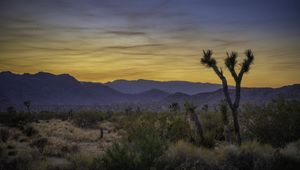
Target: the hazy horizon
pixel 142 79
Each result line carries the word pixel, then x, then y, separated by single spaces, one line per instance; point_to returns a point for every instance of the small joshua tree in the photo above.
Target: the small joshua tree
pixel 174 107
pixel 27 104
pixel 190 110
pixel 231 63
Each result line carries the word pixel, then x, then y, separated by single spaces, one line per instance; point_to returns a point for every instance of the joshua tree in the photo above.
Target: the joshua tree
pixel 226 131
pixel 205 108
pixel 190 109
pixel 231 63
pixel 27 104
pixel 174 107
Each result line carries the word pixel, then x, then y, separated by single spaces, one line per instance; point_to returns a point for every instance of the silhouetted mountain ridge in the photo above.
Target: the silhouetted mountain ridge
pixel 49 89
pixel 141 85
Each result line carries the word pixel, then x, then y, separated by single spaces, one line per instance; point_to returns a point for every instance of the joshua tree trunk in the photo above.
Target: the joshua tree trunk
pixel 28 109
pixel 233 107
pixel 236 126
pixel 226 130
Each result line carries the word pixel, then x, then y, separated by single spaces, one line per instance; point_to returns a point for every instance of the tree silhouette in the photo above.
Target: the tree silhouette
pixel 226 131
pixel 231 64
pixel 27 104
pixel 174 107
pixel 190 110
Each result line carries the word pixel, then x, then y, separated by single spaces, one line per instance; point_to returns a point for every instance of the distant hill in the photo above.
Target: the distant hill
pixel 46 88
pixel 248 95
pixel 138 86
pixel 49 89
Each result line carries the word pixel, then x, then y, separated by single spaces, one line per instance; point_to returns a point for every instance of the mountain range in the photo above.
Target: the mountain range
pixel 48 89
pixel 139 86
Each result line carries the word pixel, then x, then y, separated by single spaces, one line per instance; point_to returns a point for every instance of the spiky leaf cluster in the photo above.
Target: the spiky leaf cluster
pixel 231 60
pixel 247 61
pixel 207 59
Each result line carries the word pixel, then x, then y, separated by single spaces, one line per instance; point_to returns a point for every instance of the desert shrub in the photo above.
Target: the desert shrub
pixel 87 119
pixel 69 149
pixel 11 144
pixel 23 160
pixel 212 124
pixel 15 119
pixel 276 123
pixel 251 155
pixel 178 129
pixel 292 150
pixel 149 146
pixel 82 161
pixel 120 156
pixel 209 140
pixel 39 143
pixel 168 126
pixel 4 134
pixel 183 156
pixel 288 157
pixel 29 131
pixel 143 147
pixel 283 162
pixel 45 115
pixel 59 148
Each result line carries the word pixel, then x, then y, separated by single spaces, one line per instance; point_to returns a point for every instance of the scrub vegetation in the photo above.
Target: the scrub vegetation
pixel 150 140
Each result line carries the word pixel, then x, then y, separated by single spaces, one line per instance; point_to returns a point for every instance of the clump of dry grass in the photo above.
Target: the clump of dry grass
pixel 251 155
pixel 187 156
pixel 292 150
pixel 65 130
pixel 59 147
pixel 82 161
pixel 65 138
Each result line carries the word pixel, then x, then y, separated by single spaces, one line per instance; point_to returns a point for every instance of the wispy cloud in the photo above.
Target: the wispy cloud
pixel 132 39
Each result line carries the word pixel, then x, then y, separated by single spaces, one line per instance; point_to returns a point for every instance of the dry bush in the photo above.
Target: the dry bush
pixel 183 155
pixel 82 161
pixel 87 119
pixel 29 131
pixel 276 123
pixel 4 134
pixel 250 156
pixel 65 130
pixel 39 143
pixel 59 147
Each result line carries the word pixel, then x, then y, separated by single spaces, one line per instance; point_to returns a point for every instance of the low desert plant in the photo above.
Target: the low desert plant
pixel 120 156
pixel 29 131
pixel 87 119
pixel 82 161
pixel 276 123
pixel 249 156
pixel 182 155
pixel 143 146
pixel 39 143
pixel 178 129
pixel 4 134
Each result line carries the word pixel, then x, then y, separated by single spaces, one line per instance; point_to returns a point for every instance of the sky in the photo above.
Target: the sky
pixel 105 40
